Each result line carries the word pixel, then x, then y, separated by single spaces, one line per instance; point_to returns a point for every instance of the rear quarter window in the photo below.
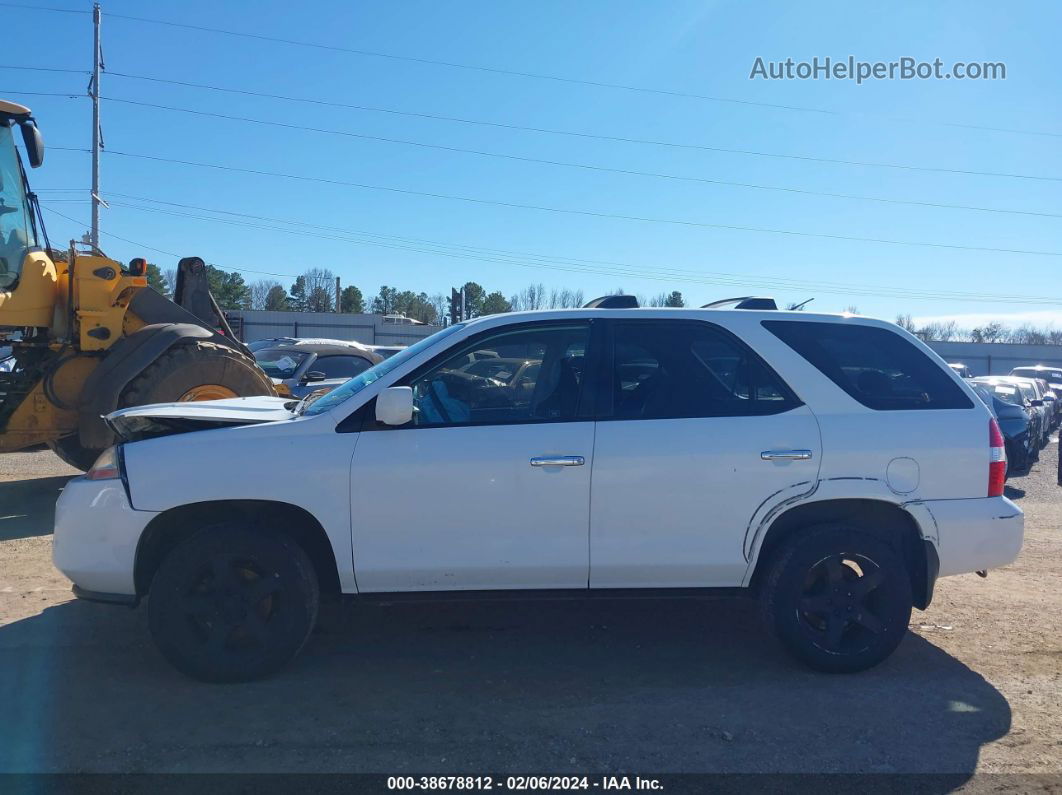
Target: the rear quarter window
pixel 877 367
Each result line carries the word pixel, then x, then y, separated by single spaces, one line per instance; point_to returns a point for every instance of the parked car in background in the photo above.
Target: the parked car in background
pixel 1006 404
pixel 831 466
pixel 1050 398
pixel 1032 401
pixel 401 320
pixel 386 351
pixel 1039 400
pixel 302 366
pixel 270 343
pixel 1053 375
pixel 961 369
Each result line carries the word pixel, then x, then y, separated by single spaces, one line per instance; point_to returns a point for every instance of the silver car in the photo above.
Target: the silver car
pixel 299 367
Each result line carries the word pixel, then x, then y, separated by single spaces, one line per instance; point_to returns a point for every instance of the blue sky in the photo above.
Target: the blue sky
pixel 704 48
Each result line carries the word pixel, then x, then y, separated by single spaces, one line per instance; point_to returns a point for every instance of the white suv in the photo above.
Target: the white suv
pixel 833 466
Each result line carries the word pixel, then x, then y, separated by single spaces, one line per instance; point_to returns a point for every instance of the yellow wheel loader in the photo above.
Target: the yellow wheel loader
pixel 82 335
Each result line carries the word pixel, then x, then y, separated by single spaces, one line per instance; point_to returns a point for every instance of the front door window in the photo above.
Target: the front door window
pixel 526 375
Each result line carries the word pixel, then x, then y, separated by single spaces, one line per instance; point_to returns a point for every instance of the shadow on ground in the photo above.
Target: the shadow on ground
pixel 545 687
pixel 27 507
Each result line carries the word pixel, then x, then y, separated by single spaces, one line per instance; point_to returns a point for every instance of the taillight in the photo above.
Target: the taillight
pixel 997 460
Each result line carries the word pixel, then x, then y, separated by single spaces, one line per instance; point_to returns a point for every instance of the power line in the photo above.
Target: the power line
pixel 590 136
pixel 587 166
pixel 110 234
pixel 44 68
pixel 153 248
pixel 797 283
pixel 598 267
pixel 586 213
pixel 68 95
pixel 549 77
pixel 530 75
pixel 45 8
pixel 738 280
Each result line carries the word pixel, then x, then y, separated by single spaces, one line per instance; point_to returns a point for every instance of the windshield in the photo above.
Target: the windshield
pixel 279 363
pixel 1008 394
pixel 378 371
pixel 1032 372
pixel 1028 392
pixel 16 230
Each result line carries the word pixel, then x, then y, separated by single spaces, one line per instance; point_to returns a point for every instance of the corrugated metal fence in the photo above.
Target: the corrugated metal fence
pixel 993 358
pixel 997 358
pixel 251 325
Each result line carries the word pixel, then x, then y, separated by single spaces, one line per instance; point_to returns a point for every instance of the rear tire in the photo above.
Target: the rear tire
pixel 190 365
pixel 231 604
pixel 838 599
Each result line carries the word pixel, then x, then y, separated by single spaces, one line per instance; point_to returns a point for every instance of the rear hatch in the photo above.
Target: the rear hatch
pixel 166 419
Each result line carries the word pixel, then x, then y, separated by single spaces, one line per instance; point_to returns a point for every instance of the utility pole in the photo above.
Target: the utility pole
pixel 94 93
pixel 338 296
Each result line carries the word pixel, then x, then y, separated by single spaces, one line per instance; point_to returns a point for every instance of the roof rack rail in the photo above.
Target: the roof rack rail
pixel 745 302
pixel 613 302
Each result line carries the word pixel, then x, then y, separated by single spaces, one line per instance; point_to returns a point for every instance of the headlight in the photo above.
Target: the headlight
pixel 107 467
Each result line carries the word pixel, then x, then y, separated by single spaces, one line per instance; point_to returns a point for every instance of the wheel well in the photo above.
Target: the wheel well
pixel 885 520
pixel 171 527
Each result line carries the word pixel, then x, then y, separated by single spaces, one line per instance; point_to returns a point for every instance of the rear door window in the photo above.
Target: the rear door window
pixel 669 370
pixel 877 367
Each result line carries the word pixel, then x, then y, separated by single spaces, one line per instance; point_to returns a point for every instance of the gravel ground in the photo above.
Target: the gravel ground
pixel 659 686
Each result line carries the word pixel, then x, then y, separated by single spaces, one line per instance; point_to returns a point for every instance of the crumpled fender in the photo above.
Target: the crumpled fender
pixel 125 360
pixel 836 488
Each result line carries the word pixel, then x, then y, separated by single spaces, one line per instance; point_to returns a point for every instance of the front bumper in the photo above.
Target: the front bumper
pixel 96 535
pixel 976 535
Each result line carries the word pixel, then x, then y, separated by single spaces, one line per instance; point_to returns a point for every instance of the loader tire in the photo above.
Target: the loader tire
pixel 196 370
pixel 72 452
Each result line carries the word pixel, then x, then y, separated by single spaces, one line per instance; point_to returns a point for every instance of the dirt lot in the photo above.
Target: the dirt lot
pixel 632 687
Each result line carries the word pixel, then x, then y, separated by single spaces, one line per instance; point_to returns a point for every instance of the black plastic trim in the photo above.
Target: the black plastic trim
pixel 128 600
pixel 924 595
pixel 554 594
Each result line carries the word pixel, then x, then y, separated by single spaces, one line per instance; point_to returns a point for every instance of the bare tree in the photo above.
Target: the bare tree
pixel 320 286
pixel 531 297
pixel 565 299
pixel 259 291
pixel 170 277
pixel 989 332
pixel 439 303
pixel 906 322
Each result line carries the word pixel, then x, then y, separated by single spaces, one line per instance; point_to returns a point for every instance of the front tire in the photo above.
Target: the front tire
pixel 839 600
pixel 231 604
pixel 197 370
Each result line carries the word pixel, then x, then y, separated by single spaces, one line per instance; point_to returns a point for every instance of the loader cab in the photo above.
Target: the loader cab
pixel 18 232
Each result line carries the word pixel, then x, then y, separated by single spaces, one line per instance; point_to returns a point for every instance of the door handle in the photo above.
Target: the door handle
pixel 786 455
pixel 558 461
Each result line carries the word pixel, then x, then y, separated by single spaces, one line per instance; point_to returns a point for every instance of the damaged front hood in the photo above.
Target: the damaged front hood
pixel 165 419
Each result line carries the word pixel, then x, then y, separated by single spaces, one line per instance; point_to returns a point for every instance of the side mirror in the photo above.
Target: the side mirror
pixel 31 137
pixel 1036 403
pixel 313 375
pixel 394 406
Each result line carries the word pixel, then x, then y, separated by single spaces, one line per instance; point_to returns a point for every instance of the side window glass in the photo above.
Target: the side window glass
pixel 876 366
pixel 671 370
pixel 525 375
pixel 340 366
